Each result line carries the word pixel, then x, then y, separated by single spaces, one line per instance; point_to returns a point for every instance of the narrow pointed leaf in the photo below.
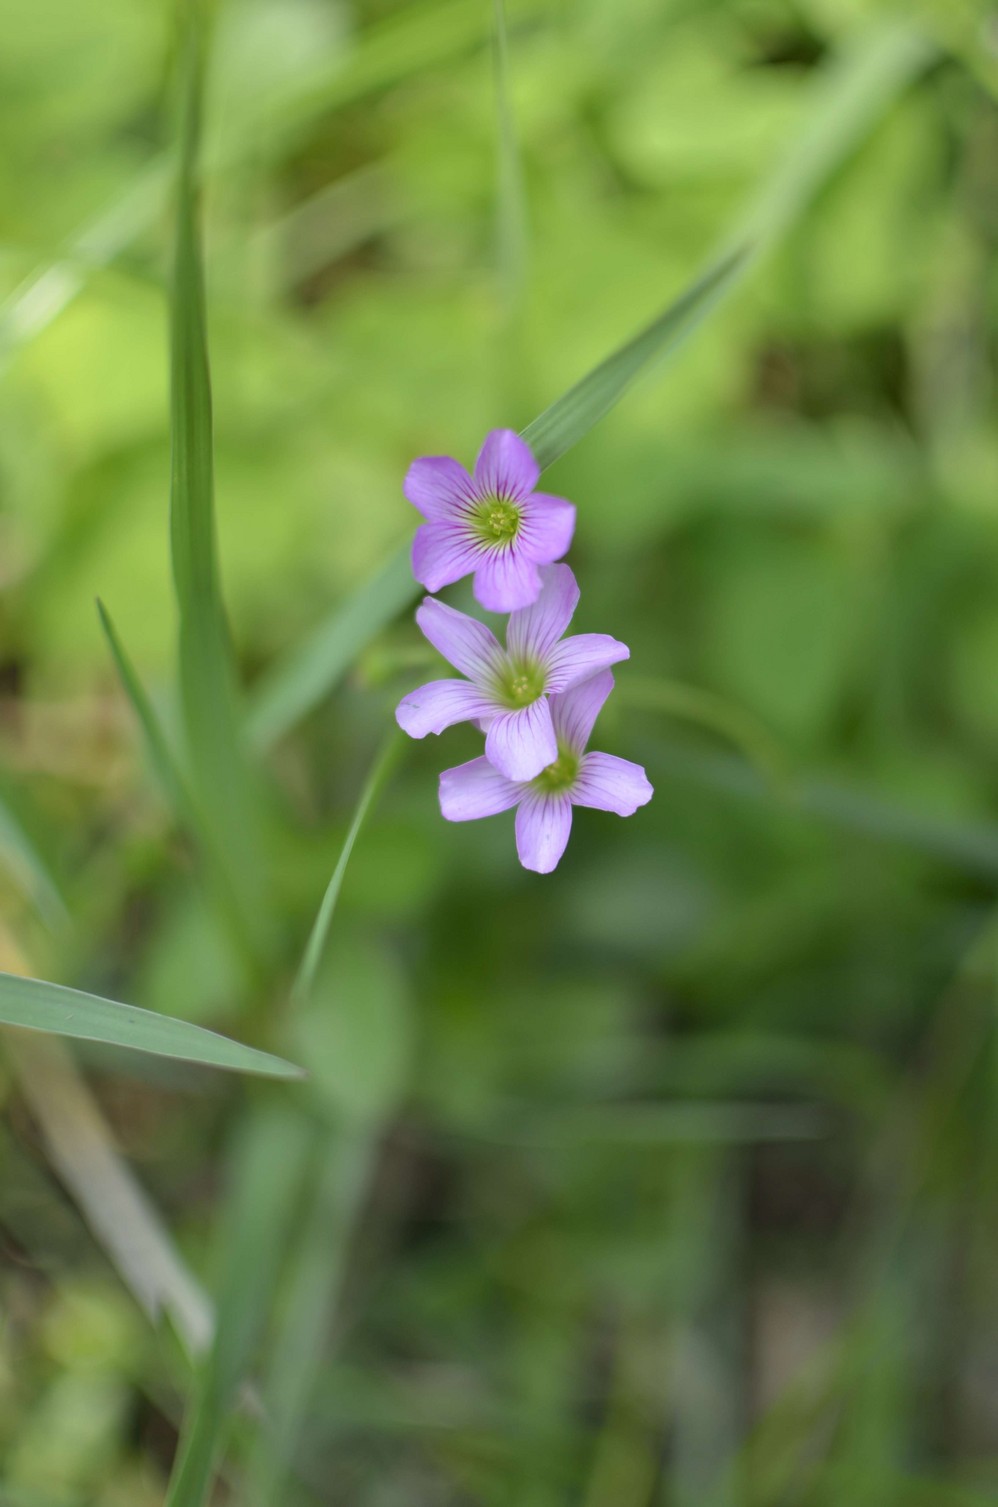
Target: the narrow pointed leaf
pixel 34 1005
pixel 222 783
pixel 271 1157
pixel 320 930
pixel 293 686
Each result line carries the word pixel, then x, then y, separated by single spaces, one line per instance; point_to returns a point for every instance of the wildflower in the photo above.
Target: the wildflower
pixel 492 524
pixel 507 690
pixel 573 778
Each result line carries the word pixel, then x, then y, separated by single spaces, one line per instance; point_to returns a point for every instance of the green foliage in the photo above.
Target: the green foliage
pixel 668 1178
pixel 38 1006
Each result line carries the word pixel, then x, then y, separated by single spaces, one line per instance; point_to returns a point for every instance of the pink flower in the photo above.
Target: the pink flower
pixel 507 690
pixel 492 524
pixel 573 778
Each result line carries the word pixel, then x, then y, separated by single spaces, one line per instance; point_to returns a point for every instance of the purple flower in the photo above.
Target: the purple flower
pixel 573 778
pixel 507 689
pixel 492 524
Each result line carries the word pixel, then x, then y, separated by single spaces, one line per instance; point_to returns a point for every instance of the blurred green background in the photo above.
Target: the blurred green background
pixel 669 1180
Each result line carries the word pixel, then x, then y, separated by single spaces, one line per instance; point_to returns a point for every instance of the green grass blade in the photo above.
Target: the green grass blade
pixel 161 756
pixel 270 1160
pixel 296 684
pixel 855 93
pixel 346 1164
pixel 221 777
pixel 714 713
pixel 511 207
pixel 222 882
pixel 320 930
pixel 35 1005
pixel 570 419
pixel 121 1216
pixel 26 865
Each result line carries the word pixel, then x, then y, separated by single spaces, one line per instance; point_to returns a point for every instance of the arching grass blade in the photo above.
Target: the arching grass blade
pixel 34 1005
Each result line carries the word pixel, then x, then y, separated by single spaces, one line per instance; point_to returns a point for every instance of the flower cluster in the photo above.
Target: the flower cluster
pixel 537 697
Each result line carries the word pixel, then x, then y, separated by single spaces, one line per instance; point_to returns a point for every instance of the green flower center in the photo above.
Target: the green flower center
pixel 495 520
pixel 521 685
pixel 561 775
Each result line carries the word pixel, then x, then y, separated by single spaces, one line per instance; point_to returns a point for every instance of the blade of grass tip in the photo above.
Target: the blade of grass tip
pixel 570 419
pixel 121 1215
pixel 179 796
pixel 161 756
pixel 856 91
pixel 221 776
pixel 270 1155
pixel 315 946
pixel 34 1005
pixel 347 1158
pixel 511 210
pixel 26 865
pixel 717 715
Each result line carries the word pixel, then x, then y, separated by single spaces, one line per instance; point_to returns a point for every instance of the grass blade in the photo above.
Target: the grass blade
pixel 511 208
pixel 297 683
pixel 35 1005
pixel 208 690
pixel 707 710
pixel 222 883
pixel 27 867
pixel 270 1159
pixel 320 930
pixel 347 1159
pixel 161 756
pixel 856 91
pixel 570 419
pixel 115 1205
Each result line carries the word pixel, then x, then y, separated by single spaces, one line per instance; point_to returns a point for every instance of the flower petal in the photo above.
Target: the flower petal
pixel 534 630
pixel 468 645
pixel 442 553
pixel 506 580
pixel 522 743
pixel 438 486
pixel 582 656
pixel 574 712
pixel 438 705
pixel 505 466
pixel 546 527
pixel 474 790
pixel 543 824
pixel 610 784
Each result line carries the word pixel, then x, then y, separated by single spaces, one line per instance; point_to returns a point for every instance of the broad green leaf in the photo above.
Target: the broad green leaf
pixel 270 1160
pixel 35 1005
pixel 852 96
pixel 222 783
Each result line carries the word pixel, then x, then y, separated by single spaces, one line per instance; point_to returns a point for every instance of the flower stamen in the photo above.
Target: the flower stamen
pixel 496 521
